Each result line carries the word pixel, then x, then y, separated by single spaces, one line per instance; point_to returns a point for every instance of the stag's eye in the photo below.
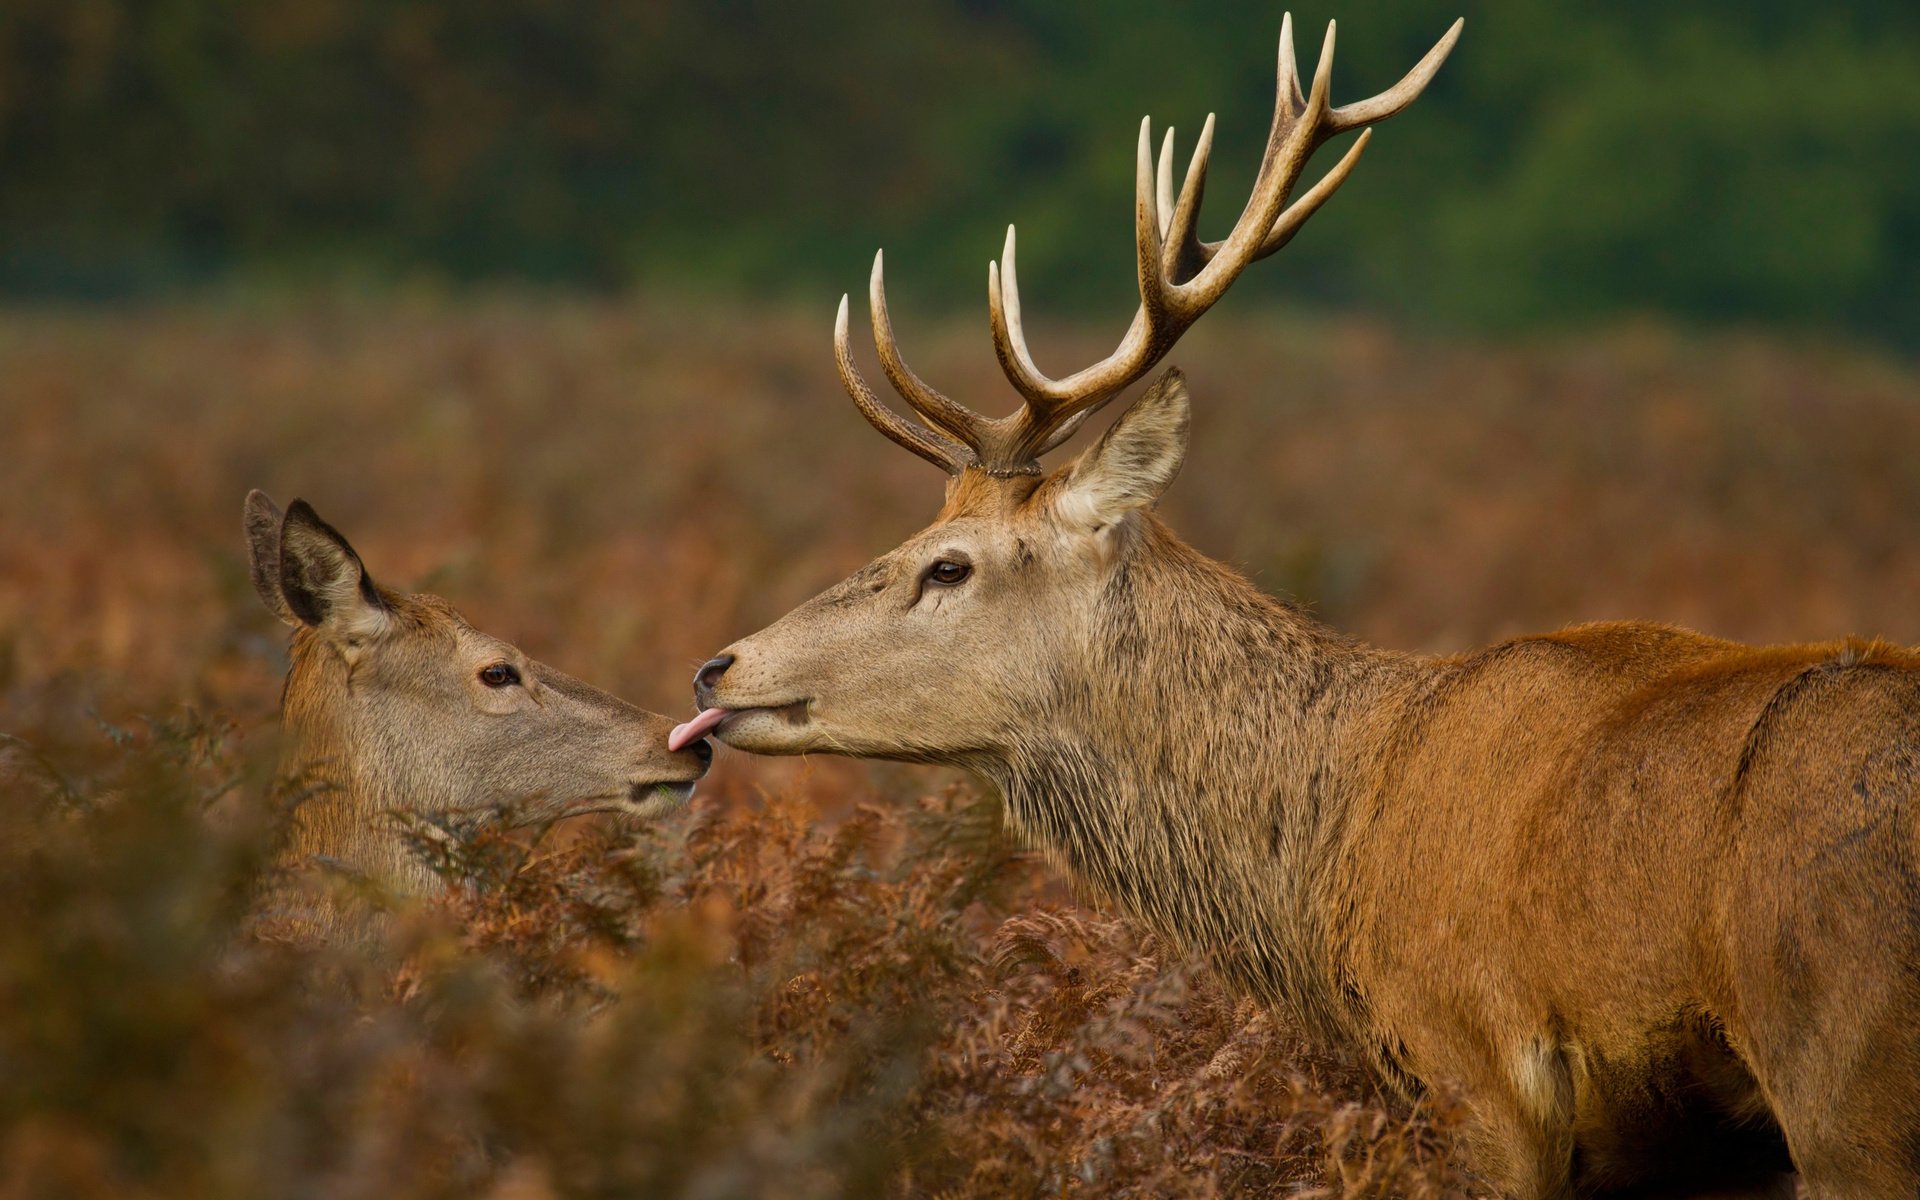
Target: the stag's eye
pixel 499 675
pixel 947 572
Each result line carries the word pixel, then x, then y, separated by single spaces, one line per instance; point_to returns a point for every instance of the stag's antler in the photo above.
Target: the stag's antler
pixel 1180 277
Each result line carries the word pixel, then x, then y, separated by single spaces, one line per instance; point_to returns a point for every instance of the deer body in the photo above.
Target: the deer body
pixel 1618 884
pixel 1629 887
pixel 395 706
pixel 1646 898
pixel 1649 900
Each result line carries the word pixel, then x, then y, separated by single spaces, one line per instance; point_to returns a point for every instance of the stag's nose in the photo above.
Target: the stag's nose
pixel 705 679
pixel 702 750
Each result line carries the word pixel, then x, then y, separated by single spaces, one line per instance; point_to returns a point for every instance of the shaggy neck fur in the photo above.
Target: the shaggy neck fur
pixel 1194 768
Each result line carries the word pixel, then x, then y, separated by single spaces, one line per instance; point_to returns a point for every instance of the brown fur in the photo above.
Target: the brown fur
pixel 1647 898
pixel 386 716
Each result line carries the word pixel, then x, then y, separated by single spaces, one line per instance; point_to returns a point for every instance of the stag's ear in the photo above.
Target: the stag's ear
pixel 263 518
pixel 323 581
pixel 1133 464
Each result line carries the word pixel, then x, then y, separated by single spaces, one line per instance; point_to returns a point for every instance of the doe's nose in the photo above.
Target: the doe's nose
pixel 709 674
pixel 702 750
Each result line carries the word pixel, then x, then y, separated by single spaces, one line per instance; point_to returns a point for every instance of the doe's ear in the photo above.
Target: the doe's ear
pixel 1134 462
pixel 322 578
pixel 263 518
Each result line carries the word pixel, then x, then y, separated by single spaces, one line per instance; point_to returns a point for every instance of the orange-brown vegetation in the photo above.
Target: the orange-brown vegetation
pixel 831 978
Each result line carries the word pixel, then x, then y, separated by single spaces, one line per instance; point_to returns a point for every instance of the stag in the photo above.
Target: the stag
pixel 396 708
pixel 1645 899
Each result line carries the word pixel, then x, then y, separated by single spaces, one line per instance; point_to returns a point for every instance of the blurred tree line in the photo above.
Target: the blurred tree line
pixel 1718 159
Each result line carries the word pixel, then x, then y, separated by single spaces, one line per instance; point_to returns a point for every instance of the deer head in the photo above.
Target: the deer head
pixel 406 707
pixel 949 647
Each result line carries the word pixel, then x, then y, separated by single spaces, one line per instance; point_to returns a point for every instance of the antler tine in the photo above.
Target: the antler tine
pixel 1329 123
pixel 937 450
pixel 1010 345
pixel 1179 253
pixel 1397 97
pixel 1146 228
pixel 1286 93
pixel 956 420
pixel 1296 214
pixel 1054 408
pixel 1009 335
pixel 1287 100
pixel 1279 171
pixel 1163 183
pixel 1041 392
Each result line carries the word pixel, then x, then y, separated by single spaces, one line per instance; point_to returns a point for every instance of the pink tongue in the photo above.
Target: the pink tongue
pixel 691 732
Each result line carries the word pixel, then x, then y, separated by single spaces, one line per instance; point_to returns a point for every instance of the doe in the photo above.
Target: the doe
pixel 394 705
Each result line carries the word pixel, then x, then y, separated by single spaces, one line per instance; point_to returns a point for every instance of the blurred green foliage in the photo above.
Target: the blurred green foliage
pixel 1713 159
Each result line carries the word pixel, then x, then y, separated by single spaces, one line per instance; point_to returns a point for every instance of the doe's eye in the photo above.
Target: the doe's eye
pixel 499 675
pixel 946 572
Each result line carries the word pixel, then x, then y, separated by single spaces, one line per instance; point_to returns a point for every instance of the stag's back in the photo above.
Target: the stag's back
pixel 1684 824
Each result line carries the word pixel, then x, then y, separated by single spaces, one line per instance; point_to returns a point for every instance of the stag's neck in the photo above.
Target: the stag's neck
pixel 1197 770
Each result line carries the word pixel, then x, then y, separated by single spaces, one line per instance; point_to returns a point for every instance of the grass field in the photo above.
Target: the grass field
pixel 831 978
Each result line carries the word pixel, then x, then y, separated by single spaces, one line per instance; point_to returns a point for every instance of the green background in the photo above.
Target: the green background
pixel 1715 161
